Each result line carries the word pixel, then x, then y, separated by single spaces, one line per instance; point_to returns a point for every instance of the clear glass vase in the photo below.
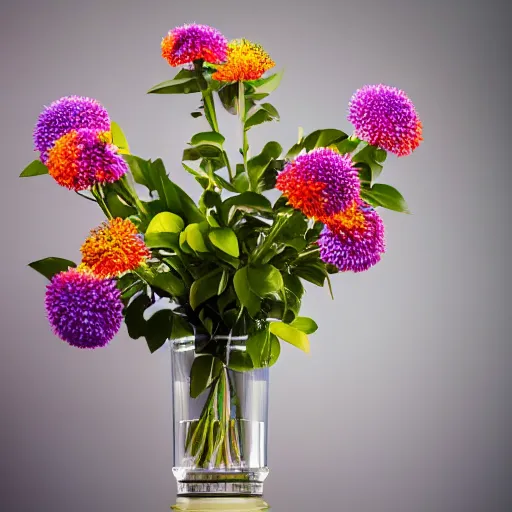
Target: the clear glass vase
pixel 220 437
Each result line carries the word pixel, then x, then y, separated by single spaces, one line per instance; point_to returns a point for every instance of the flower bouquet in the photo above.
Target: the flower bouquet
pixel 221 280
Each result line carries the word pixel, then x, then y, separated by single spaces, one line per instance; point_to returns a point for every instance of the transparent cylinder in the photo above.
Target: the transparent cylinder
pixel 220 437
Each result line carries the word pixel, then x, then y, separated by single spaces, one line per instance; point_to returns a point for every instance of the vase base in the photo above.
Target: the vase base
pixel 223 504
pixel 200 482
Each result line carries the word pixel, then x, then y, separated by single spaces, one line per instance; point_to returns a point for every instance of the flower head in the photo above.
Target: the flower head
pixel 83 310
pixel 114 248
pixel 188 43
pixel 353 239
pixel 245 61
pixel 384 116
pixel 68 113
pixel 81 158
pixel 320 183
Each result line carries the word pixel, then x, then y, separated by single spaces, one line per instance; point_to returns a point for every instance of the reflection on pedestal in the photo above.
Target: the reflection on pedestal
pixel 220 504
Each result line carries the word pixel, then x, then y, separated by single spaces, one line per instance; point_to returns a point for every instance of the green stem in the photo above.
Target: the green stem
pixel 269 240
pixel 308 253
pixel 209 109
pixel 95 191
pixel 242 114
pixel 126 187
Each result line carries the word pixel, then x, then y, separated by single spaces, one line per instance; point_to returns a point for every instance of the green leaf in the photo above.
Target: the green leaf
pixel 205 369
pixel 257 165
pixel 116 206
pixel 228 95
pixel 240 361
pixel 290 334
pixel 373 157
pixel 48 267
pixel 347 145
pixel 223 282
pixel 205 288
pixel 134 316
pixel 323 138
pixel 264 348
pixel 119 139
pixel 264 86
pixel 181 328
pixel 246 201
pixel 169 283
pixel 313 272
pixel 162 241
pixel 385 196
pixel 261 114
pixel 195 238
pixel 165 222
pixel 185 82
pixel 225 240
pixel 246 297
pixel 35 168
pixel 305 324
pixel 158 329
pixel 264 279
pixel 208 139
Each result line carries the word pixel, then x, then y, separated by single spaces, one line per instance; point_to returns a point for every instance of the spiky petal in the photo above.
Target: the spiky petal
pixel 320 183
pixel 66 114
pixel 246 61
pixel 83 310
pixel 114 248
pixel 192 42
pixel 384 116
pixel 82 158
pixel 353 239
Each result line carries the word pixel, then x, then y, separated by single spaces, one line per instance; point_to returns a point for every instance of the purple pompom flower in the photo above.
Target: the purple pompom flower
pixel 384 116
pixel 82 158
pixel 320 183
pixel 68 113
pixel 83 310
pixel 353 239
pixel 191 42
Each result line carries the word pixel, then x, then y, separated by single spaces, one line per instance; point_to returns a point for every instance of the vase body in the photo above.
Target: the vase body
pixel 220 437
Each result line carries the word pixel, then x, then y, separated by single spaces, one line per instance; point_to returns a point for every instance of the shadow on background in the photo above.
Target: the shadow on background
pixel 220 504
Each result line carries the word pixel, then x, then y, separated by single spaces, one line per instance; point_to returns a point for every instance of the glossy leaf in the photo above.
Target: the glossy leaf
pixel 385 196
pixel 119 139
pixel 134 316
pixel 158 329
pixel 246 297
pixel 48 267
pixel 373 157
pixel 257 165
pixel 266 85
pixel 264 279
pixel 185 82
pixel 290 334
pixel 205 288
pixel 35 168
pixel 240 361
pixel 205 369
pixel 195 238
pixel 305 324
pixel 262 113
pixel 225 240
pixel 162 241
pixel 165 222
pixel 169 283
pixel 246 201
pixel 264 348
pixel 323 138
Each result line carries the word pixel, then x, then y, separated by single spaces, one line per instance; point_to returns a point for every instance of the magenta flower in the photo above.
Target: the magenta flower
pixel 354 239
pixel 319 183
pixel 83 310
pixel 189 43
pixel 68 113
pixel 384 116
pixel 81 158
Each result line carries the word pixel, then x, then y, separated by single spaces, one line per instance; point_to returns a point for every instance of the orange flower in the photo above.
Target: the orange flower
pixel 114 248
pixel 350 219
pixel 246 61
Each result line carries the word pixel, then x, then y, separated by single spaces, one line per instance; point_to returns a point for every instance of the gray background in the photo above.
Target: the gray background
pixel 404 404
